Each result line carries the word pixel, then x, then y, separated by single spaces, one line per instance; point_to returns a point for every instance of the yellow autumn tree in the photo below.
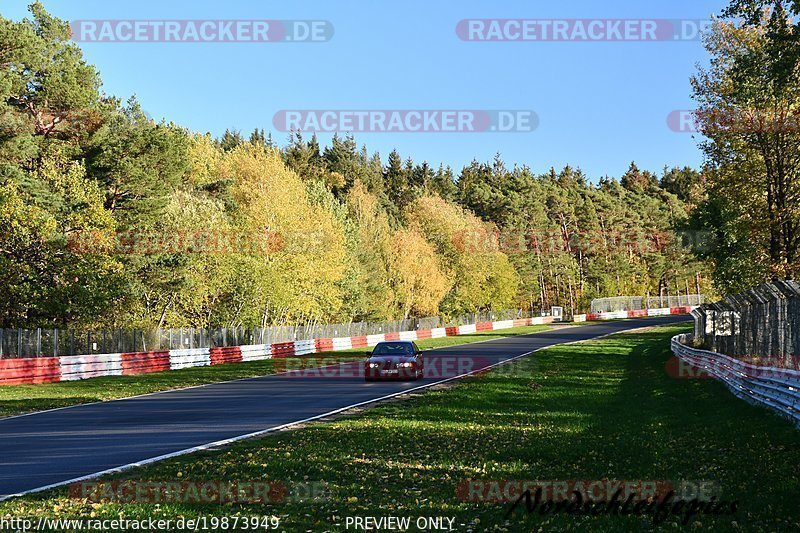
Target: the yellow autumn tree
pixel 204 159
pixel 292 252
pixel 416 271
pixel 482 275
pixel 203 272
pixel 370 292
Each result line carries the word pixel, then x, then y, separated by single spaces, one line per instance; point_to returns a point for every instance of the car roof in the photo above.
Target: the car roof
pixel 396 342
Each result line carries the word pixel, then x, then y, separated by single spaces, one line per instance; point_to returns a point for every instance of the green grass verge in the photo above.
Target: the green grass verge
pixel 17 399
pixel 598 410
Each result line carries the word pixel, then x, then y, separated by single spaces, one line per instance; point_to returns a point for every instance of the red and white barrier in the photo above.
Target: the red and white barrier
pixel 256 352
pixel 408 335
pixel 282 349
pixel 90 366
pixel 423 334
pixel 30 371
pixel 466 330
pixel 661 311
pixel 145 362
pixel 187 358
pixel 613 315
pixel 438 333
pixel 305 347
pixel 342 343
pixel 228 354
pixel 372 340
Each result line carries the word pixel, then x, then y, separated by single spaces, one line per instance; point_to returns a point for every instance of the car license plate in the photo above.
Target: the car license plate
pixel 389 372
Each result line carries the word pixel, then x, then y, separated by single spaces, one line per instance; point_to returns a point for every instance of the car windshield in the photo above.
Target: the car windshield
pixel 393 348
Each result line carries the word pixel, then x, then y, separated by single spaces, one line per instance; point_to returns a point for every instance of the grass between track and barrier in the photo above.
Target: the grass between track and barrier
pixel 597 410
pixel 18 399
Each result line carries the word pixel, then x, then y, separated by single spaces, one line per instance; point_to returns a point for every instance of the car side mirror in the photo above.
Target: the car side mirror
pixel 369 353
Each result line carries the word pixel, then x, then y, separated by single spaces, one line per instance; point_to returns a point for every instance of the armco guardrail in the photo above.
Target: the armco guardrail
pixel 776 388
pixel 69 368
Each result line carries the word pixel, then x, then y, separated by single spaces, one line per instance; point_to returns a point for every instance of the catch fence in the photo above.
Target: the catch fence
pixel 762 322
pixel 636 303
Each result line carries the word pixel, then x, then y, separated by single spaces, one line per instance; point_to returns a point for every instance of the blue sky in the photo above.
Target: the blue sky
pixel 600 104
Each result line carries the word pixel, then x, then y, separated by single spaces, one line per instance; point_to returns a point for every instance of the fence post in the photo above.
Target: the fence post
pixel 55 342
pixel 19 342
pixel 38 342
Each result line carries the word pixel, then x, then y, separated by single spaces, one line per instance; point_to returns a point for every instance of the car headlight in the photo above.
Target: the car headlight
pixel 373 365
pixel 405 365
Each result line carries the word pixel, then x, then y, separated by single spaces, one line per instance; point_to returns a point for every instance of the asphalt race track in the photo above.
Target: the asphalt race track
pixel 53 447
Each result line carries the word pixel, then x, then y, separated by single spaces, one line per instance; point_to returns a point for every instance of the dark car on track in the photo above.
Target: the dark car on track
pixel 394 360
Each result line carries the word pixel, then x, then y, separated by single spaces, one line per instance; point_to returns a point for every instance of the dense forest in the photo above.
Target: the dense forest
pixel 108 218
